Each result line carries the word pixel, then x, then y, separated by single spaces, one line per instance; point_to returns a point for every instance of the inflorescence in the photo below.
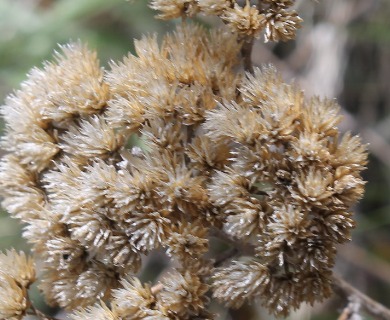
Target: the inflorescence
pixel 166 149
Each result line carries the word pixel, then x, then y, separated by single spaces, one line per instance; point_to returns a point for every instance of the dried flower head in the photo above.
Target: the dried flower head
pixel 240 281
pixel 213 7
pixel 187 243
pixel 281 24
pixel 18 266
pixel 13 298
pixel 17 273
pixel 133 300
pixel 182 295
pixel 97 311
pixel 246 20
pixel 270 16
pixel 174 8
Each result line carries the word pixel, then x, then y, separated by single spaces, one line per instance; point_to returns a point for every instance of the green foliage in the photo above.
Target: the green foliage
pixel 30 33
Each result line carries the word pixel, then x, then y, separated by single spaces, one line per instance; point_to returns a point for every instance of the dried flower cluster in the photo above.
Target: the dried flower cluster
pixel 17 273
pixel 274 17
pixel 163 150
pixel 288 190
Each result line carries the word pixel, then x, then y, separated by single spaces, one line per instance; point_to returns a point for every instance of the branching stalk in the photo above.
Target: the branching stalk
pixel 370 306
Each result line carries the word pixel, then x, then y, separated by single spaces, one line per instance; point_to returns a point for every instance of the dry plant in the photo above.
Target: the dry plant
pixel 223 151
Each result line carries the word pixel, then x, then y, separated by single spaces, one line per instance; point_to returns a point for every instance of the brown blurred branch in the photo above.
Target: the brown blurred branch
pixel 351 310
pixel 366 261
pixel 350 293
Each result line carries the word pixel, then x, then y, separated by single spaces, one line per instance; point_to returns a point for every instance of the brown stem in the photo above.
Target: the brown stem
pixel 226 255
pixel 246 53
pixel 243 313
pixel 370 306
pixel 350 311
pixel 156 288
pixel 243 248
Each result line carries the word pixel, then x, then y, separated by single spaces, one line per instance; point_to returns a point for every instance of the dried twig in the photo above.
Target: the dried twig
pixel 226 255
pixel 378 268
pixel 246 53
pixel 370 306
pixel 351 311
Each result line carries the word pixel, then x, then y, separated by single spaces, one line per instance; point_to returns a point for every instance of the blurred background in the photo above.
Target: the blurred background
pixel 342 51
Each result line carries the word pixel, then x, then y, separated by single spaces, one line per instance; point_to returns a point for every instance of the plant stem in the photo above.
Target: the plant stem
pixel 156 288
pixel 246 53
pixel 370 306
pixel 224 256
pixel 242 248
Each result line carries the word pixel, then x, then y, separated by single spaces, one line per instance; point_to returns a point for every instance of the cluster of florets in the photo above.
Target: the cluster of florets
pixel 168 149
pixel 106 166
pixel 273 17
pixel 17 273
